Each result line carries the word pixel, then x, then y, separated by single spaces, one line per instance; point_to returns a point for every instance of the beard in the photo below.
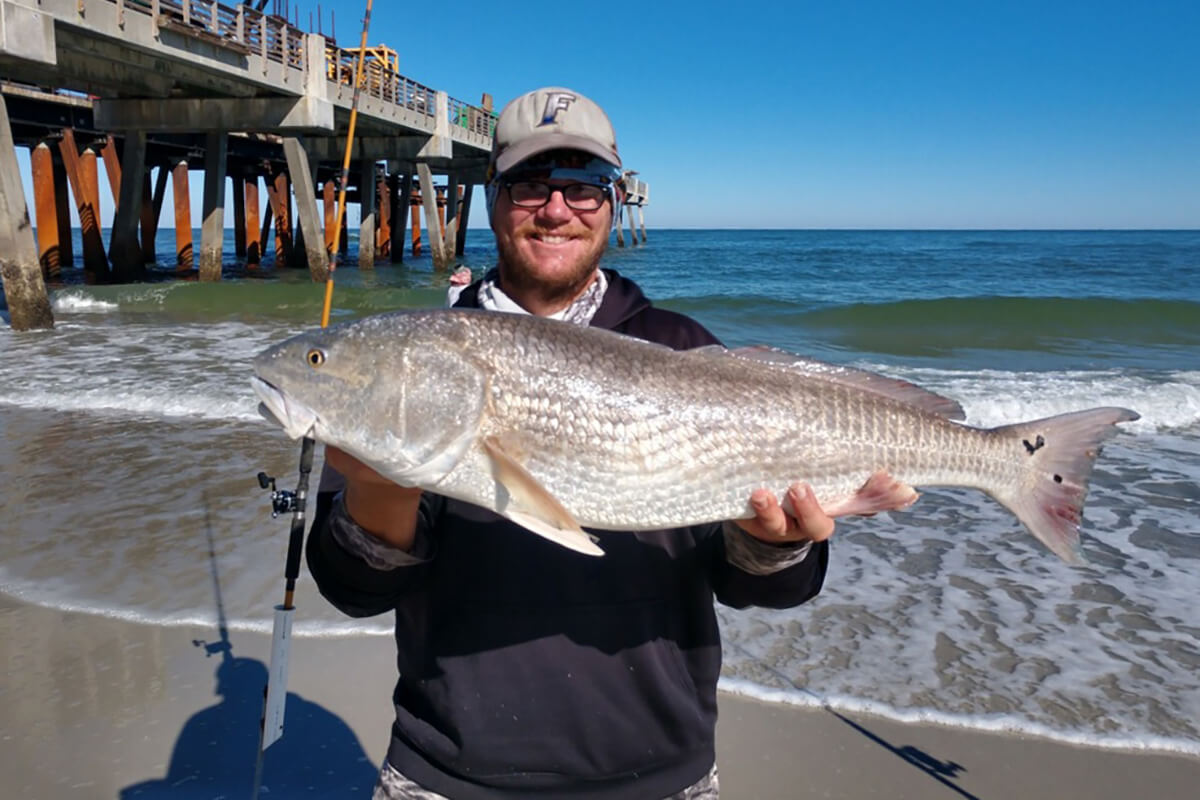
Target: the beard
pixel 557 285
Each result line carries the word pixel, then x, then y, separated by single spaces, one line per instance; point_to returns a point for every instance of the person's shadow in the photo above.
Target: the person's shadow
pixel 216 752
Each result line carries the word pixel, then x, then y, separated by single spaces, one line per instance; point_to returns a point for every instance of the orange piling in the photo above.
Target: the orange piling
pixel 239 216
pixel 254 237
pixel 41 163
pixel 184 257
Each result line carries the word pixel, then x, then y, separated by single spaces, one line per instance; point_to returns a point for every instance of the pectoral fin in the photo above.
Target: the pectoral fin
pixel 532 506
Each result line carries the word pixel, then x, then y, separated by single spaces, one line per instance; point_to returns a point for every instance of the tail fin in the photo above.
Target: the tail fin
pixel 1048 496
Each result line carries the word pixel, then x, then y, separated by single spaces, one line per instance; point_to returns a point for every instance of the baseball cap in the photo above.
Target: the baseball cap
pixel 552 118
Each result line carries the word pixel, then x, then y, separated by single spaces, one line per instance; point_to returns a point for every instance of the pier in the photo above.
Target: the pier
pixel 154 89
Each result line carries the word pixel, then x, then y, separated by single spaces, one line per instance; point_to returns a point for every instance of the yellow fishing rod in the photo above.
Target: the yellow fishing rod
pixel 275 695
pixel 341 203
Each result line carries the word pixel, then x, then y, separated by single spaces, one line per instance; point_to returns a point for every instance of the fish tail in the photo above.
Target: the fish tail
pixel 1059 452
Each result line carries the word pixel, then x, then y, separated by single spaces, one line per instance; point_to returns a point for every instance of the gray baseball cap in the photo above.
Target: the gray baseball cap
pixel 552 118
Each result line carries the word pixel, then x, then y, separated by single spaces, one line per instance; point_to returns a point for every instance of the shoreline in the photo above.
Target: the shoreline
pixel 97 707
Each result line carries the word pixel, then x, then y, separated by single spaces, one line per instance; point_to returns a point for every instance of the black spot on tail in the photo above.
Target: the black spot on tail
pixel 1038 444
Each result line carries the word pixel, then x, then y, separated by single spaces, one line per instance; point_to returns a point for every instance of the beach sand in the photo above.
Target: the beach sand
pixel 96 707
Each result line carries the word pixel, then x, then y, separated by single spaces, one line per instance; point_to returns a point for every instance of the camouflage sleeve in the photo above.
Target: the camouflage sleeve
pixel 376 553
pixel 757 557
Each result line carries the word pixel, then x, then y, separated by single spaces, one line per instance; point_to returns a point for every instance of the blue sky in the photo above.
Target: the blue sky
pixel 856 115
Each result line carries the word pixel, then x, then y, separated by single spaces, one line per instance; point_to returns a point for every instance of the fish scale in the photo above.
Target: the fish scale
pixel 559 426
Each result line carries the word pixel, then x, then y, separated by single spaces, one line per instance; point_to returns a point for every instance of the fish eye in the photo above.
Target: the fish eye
pixel 315 357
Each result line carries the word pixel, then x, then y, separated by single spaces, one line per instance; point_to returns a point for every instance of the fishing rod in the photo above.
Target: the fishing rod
pixel 294 502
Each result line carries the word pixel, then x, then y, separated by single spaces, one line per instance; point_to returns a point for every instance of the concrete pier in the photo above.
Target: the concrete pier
pixel 156 89
pixel 20 269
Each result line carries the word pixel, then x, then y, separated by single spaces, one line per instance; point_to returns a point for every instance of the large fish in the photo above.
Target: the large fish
pixel 557 426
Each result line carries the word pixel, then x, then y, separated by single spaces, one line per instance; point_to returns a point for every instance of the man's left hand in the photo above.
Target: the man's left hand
pixel 772 524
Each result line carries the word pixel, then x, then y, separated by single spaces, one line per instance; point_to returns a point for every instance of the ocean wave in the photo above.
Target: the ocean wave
pixel 931 326
pixel 245 299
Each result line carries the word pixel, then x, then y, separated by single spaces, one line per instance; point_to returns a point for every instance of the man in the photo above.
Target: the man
pixel 527 670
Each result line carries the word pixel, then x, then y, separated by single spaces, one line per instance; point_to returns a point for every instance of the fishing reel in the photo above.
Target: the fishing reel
pixel 283 501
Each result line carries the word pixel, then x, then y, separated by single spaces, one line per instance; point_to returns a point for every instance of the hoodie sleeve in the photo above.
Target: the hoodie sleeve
pixel 745 573
pixel 360 576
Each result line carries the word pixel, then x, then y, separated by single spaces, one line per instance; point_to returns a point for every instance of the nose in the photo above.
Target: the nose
pixel 556 207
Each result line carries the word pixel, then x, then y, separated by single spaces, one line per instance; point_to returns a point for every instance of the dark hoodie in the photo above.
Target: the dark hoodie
pixel 528 670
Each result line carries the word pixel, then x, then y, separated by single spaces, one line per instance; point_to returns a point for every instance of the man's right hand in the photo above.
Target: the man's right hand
pixel 378 505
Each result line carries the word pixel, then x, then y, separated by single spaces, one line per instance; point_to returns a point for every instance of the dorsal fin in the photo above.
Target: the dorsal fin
pixel 895 388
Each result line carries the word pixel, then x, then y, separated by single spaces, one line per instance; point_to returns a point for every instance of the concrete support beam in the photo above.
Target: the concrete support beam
pixel 306 208
pixel 633 240
pixel 212 230
pixel 210 115
pixel 464 215
pixel 403 147
pixel 429 200
pixel 642 223
pixel 366 229
pixel 125 251
pixel 152 191
pixel 451 196
pixel 24 288
pixel 399 191
pixel 184 257
pixel 81 175
pixel 620 225
pixel 254 237
pixel 439 145
pixel 45 200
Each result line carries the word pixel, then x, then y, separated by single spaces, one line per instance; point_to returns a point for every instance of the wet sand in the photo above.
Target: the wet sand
pixel 95 707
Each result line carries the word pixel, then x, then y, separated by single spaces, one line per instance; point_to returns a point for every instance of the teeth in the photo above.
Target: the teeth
pixel 554 239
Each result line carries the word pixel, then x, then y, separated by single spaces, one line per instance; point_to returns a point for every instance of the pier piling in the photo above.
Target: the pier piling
pixel 306 209
pixel 238 195
pixel 45 200
pixel 184 258
pixel 254 235
pixel 24 288
pixel 366 202
pixel 81 175
pixel 212 229
pixel 125 251
pixel 62 205
pixel 279 194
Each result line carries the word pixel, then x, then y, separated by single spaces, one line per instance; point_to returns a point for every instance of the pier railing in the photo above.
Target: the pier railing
pixel 272 38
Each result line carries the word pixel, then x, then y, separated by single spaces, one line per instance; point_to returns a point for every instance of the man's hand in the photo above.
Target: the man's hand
pixel 376 504
pixel 771 523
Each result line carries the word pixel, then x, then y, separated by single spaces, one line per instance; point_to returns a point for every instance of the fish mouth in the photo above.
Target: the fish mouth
pixel 296 419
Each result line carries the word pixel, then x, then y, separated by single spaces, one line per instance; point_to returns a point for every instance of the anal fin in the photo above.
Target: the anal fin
pixel 881 492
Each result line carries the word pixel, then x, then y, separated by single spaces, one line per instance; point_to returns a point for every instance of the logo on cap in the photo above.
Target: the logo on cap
pixel 555 102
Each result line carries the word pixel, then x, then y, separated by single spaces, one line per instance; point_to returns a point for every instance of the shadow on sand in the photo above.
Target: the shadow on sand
pixel 215 754
pixel 944 772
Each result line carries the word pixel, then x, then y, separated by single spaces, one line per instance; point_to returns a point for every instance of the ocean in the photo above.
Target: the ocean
pixel 130 442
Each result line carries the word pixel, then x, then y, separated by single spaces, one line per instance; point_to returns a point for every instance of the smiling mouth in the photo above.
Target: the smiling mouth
pixel 547 238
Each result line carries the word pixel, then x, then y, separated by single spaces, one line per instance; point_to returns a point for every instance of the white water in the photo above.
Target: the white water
pixel 948 612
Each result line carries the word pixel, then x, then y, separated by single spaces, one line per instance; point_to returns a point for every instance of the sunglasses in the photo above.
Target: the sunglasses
pixel 577 196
